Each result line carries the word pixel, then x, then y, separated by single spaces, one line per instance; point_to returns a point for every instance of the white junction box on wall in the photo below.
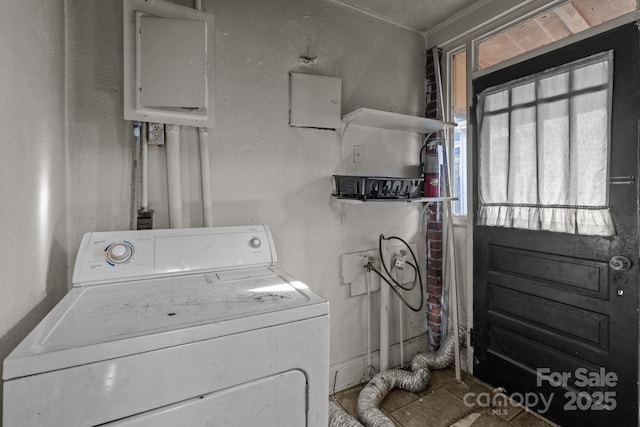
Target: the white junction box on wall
pixel 316 101
pixel 168 63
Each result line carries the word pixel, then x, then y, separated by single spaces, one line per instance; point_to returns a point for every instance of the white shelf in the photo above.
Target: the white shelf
pixel 414 200
pixel 394 121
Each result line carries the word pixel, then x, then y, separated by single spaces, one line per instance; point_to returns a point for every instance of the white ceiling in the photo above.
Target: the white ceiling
pixel 419 15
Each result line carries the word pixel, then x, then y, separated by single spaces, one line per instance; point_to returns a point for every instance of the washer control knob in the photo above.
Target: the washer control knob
pixel 255 243
pixel 119 253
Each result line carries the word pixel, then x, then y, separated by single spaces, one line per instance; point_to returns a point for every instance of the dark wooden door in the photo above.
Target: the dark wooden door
pixel 552 319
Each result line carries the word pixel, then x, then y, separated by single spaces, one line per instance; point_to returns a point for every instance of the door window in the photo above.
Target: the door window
pixel 544 150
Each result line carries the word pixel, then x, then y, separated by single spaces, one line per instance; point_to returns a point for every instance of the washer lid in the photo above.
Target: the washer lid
pixel 113 320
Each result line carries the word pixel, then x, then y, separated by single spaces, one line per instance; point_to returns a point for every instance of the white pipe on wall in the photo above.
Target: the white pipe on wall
pixel 203 135
pixel 207 210
pixel 144 195
pixel 174 183
pixel 450 269
pixel 367 279
pixel 400 321
pixel 385 301
pixel 385 297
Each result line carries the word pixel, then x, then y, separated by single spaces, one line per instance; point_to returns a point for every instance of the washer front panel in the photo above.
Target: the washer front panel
pixel 97 393
pixel 278 400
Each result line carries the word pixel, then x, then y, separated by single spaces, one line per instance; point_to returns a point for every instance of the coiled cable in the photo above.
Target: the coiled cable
pixel 392 282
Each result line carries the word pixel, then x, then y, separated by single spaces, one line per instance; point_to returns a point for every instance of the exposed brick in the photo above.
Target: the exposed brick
pixel 433 306
pixel 434 281
pixel 435 263
pixel 435 244
pixel 434 272
pixel 435 253
pixel 432 318
pixel 434 299
pixel 434 289
pixel 434 225
pixel 436 311
pixel 434 235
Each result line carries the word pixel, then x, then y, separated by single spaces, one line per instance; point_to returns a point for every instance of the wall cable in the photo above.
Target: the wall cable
pixel 394 283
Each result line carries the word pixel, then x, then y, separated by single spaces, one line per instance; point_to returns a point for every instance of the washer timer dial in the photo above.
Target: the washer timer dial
pixel 118 253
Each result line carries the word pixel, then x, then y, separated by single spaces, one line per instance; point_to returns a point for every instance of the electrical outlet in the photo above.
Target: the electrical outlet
pixel 145 219
pixel 400 259
pixel 357 154
pixel 156 133
pixel 398 256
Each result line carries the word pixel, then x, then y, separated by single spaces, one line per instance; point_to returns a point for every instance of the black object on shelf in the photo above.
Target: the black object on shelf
pixel 376 187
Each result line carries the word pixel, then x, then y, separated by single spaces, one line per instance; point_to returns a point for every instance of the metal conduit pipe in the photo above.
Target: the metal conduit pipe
pixel 205 168
pixel 174 181
pixel 203 137
pixel 377 389
pixel 144 185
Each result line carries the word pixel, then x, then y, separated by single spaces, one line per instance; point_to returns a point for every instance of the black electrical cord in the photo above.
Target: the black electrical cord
pixel 395 283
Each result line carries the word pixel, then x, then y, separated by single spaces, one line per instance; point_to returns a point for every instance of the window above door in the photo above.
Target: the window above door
pixel 543 150
pixel 569 18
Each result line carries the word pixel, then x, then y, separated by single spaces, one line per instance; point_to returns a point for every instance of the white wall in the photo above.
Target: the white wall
pixel 263 171
pixel 33 192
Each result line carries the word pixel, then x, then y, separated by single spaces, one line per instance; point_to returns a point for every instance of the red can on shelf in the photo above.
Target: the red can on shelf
pixel 431 171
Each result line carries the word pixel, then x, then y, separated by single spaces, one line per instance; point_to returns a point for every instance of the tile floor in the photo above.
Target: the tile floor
pixel 442 405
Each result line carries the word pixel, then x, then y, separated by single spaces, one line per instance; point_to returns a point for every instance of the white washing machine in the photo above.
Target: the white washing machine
pixel 186 327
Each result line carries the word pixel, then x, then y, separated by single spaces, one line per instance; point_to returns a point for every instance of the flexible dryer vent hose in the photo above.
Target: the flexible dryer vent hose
pixel 377 389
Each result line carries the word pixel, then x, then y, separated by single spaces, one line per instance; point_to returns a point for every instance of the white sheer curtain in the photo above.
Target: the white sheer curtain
pixel 544 150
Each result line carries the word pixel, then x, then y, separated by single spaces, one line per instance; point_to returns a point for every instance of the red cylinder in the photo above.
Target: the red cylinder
pixel 431 172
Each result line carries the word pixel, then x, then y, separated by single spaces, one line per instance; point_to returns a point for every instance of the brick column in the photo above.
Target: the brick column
pixel 433 110
pixel 434 274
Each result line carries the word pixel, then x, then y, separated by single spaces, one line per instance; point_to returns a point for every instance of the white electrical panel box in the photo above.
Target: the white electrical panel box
pixel 172 67
pixel 168 63
pixel 316 101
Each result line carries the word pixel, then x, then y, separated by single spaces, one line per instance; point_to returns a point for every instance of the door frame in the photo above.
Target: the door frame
pixel 520 69
pixel 466 38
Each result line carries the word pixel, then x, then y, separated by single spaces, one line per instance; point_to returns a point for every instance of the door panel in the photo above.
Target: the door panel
pixel 550 301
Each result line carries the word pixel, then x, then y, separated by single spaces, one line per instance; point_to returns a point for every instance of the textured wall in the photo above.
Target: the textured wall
pixel 32 166
pixel 263 171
